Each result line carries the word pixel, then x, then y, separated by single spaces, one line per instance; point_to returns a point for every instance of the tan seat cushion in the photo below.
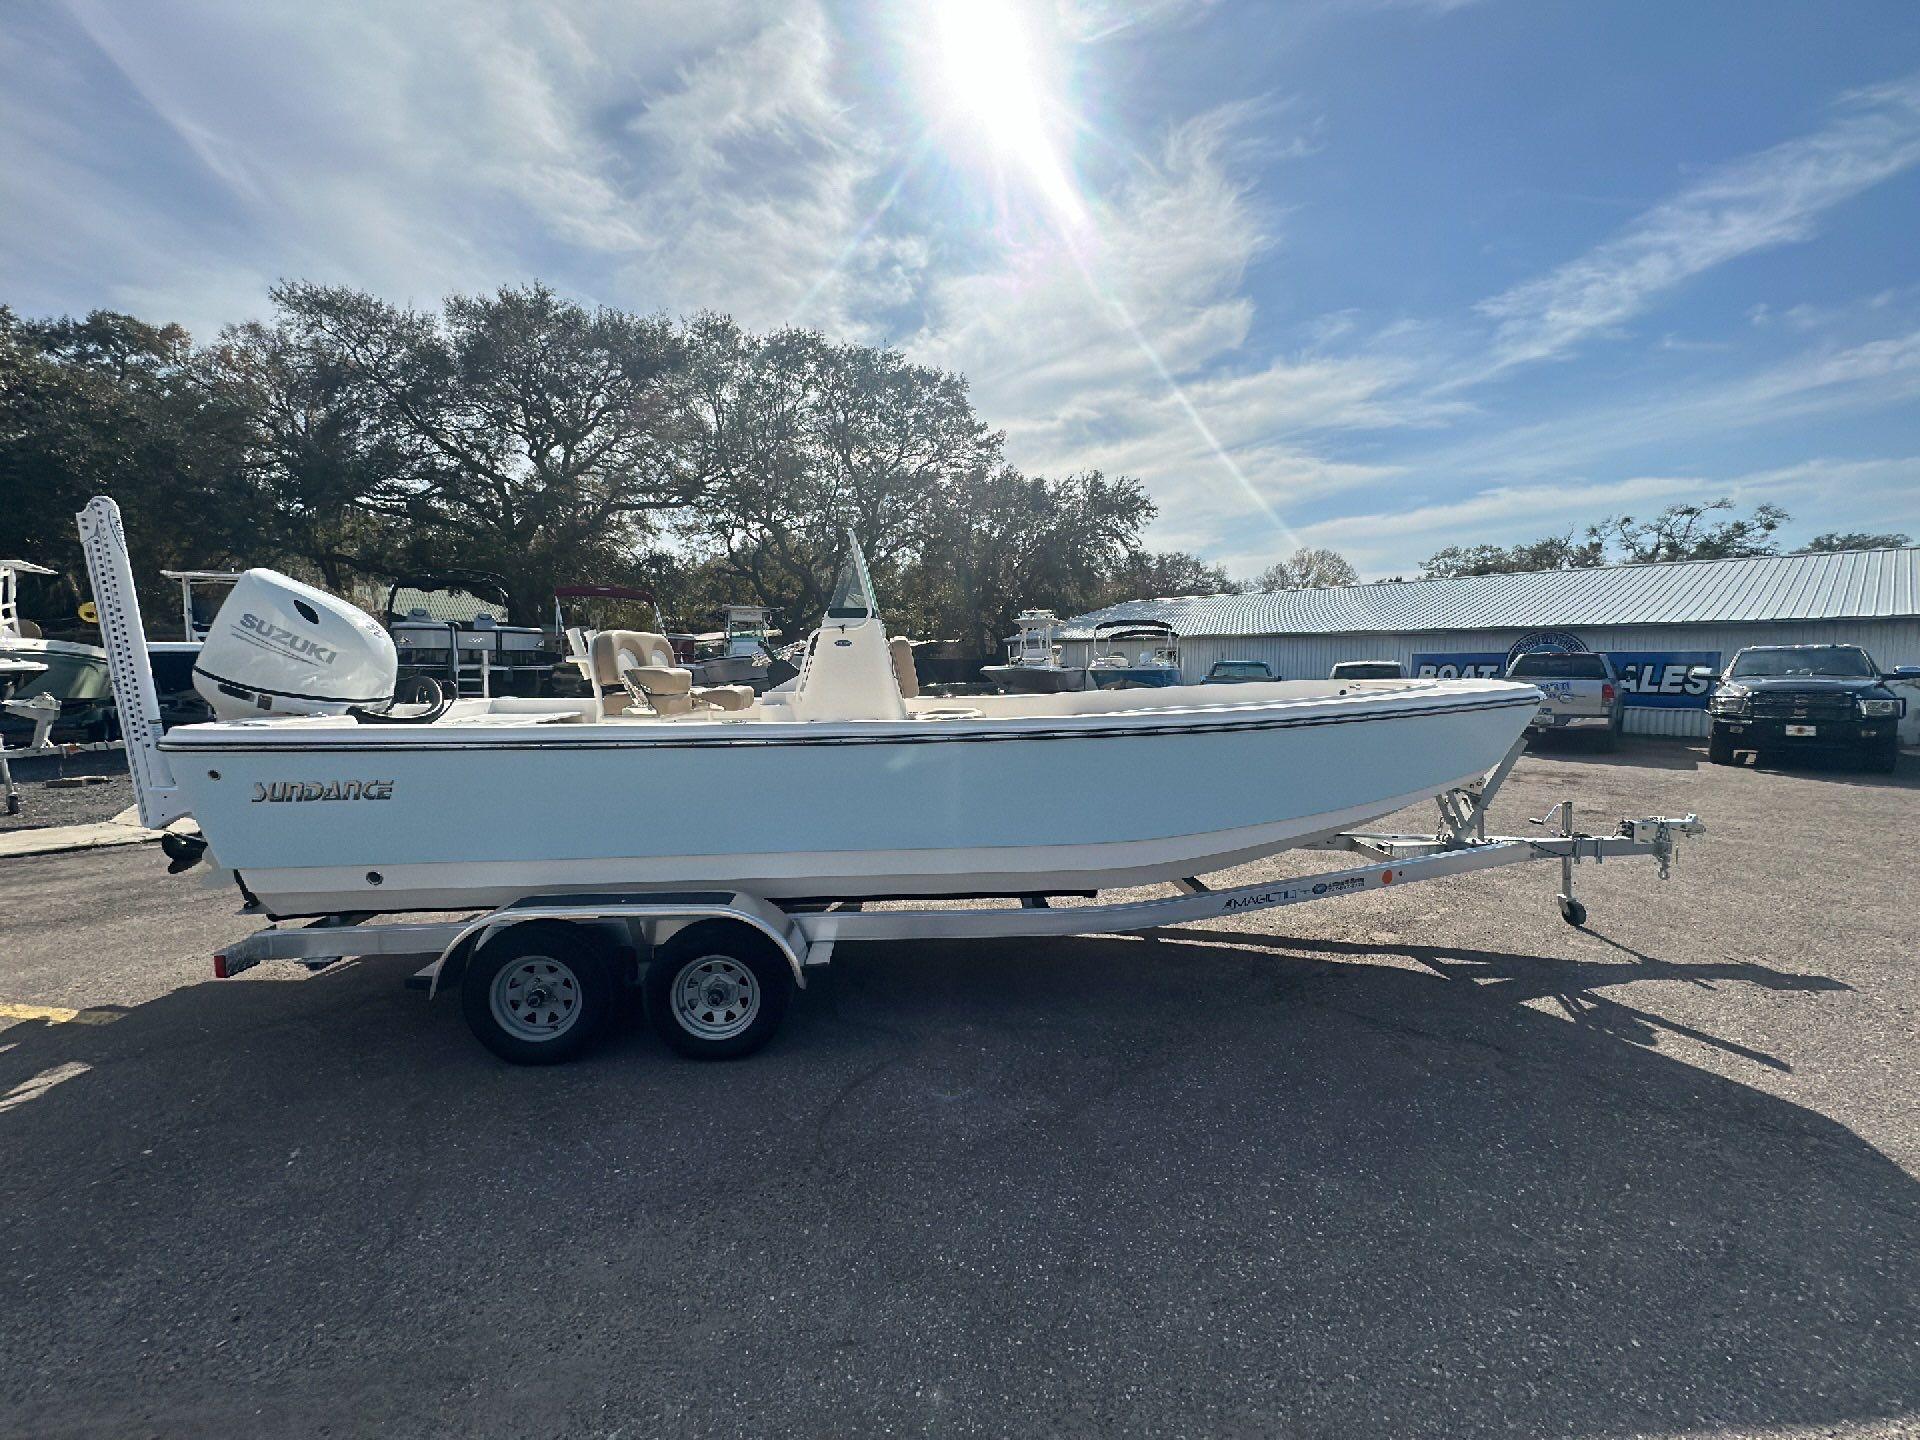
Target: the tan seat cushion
pixel 724 697
pixel 659 679
pixel 612 651
pixel 904 671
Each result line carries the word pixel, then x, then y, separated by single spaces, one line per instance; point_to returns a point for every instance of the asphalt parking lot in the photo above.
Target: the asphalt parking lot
pixel 1425 1162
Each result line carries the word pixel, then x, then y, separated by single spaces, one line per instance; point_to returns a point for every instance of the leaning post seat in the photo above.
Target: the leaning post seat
pixel 905 673
pixel 637 667
pixel 724 697
pixel 631 665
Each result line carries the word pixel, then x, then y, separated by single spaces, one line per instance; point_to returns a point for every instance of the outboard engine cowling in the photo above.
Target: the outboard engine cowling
pixel 279 647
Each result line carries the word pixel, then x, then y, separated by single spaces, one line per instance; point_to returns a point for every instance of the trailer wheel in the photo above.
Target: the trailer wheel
pixel 718 990
pixel 1572 911
pixel 538 993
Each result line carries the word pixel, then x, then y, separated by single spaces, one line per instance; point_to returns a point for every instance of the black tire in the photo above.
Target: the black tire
pixel 1719 746
pixel 718 990
pixel 1610 739
pixel 1573 912
pixel 1884 759
pixel 547 960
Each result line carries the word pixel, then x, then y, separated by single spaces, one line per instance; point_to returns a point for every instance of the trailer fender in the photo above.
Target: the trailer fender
pixel 657 923
pixel 453 961
pixel 665 930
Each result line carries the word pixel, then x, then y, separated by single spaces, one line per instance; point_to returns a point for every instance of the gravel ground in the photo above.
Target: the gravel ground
pixel 1423 1162
pixel 42 804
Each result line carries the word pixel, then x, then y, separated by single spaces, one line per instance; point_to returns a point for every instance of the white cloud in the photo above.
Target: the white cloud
pixel 1877 494
pixel 756 201
pixel 1771 198
pixel 1091 21
pixel 739 154
pixel 1128 349
pixel 676 154
pixel 1823 381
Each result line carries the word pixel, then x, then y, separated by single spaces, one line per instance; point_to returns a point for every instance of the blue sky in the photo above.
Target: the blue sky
pixel 1381 276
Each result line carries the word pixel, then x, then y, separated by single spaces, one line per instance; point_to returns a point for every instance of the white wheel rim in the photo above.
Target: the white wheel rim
pixel 536 998
pixel 715 997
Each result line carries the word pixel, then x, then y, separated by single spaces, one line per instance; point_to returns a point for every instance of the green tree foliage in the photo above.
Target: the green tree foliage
pixel 110 405
pixel 1152 574
pixel 1308 569
pixel 1679 532
pixel 349 440
pixel 1855 540
pixel 1688 532
pixel 1554 552
pixel 792 441
pixel 518 433
pixel 1001 542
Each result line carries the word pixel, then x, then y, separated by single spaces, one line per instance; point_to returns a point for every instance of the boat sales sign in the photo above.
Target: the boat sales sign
pixel 1658 678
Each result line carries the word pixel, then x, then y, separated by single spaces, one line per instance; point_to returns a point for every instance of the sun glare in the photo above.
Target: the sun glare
pixel 993 88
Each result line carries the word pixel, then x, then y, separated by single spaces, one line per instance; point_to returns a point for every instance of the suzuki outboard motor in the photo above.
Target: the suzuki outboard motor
pixel 278 647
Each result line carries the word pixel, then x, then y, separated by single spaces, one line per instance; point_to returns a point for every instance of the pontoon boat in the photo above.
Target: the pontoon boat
pixel 453 628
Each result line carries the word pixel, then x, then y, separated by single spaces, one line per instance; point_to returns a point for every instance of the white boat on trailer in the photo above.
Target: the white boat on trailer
pixel 1033 665
pixel 717 845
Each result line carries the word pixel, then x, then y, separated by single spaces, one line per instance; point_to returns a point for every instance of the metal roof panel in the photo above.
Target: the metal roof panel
pixel 1855 584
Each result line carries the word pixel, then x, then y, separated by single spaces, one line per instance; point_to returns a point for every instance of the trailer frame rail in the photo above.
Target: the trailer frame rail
pixel 808 937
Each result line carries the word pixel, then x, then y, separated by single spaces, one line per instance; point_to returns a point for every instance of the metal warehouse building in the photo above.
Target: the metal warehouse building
pixel 1655 621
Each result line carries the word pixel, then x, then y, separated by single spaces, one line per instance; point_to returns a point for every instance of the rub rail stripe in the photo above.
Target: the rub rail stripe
pixel 933 736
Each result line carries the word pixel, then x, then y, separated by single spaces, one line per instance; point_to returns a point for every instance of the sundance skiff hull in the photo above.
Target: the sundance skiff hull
pixel 336 817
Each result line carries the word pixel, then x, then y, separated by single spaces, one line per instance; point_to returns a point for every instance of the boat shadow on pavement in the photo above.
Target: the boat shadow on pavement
pixel 1199 1182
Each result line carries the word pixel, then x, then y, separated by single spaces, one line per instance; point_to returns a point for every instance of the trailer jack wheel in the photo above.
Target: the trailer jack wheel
pixel 718 990
pixel 538 993
pixel 1572 911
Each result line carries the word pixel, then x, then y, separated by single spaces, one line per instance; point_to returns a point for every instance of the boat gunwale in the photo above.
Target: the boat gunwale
pixel 222 738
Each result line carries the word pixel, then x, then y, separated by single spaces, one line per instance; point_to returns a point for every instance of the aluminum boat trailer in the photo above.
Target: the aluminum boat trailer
pixel 539 978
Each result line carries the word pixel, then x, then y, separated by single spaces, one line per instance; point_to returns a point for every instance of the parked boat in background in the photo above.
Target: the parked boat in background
pixel 37 714
pixel 1134 655
pixel 742 652
pixel 201 594
pixel 1033 660
pixel 453 628
pixel 74 672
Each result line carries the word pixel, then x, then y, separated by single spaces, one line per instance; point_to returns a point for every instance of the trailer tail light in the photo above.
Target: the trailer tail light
pixel 1606 694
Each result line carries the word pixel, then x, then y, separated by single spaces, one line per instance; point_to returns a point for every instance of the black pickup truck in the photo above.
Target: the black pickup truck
pixel 1775 699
